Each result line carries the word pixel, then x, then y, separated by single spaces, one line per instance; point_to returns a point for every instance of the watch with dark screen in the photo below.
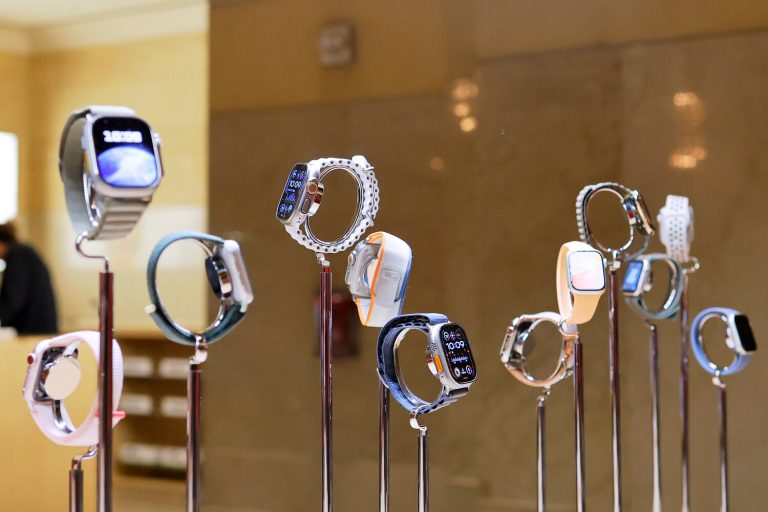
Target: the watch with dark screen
pixel 449 358
pixel 109 161
pixel 739 338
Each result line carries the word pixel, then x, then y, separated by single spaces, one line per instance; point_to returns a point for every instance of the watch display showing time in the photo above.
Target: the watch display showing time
pixel 292 192
pixel 125 152
pixel 458 355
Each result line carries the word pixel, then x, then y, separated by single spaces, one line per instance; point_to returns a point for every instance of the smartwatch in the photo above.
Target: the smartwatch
pixel 53 374
pixel 449 358
pixel 638 218
pixel 580 281
pixel 109 161
pixel 227 277
pixel 377 277
pixel 303 193
pixel 638 280
pixel 514 348
pixel 676 227
pixel 739 339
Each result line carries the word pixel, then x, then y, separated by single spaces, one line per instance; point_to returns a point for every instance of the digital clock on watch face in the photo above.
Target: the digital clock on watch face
pixel 292 192
pixel 458 355
pixel 125 153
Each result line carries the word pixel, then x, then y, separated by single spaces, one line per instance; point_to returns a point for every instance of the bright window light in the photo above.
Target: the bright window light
pixel 9 176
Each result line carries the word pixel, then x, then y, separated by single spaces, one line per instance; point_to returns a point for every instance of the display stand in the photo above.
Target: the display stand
pixel 723 412
pixel 423 463
pixel 541 420
pixel 194 421
pixel 578 388
pixel 383 447
pixel 76 497
pixel 326 364
pixel 105 391
pixel 684 350
pixel 653 347
pixel 613 349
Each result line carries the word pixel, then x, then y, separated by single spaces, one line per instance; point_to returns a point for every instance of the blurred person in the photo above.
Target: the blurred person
pixel 26 295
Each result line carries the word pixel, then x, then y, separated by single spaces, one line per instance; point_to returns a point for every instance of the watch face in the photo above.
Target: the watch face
pixel 458 355
pixel 292 192
pixel 125 153
pixel 585 271
pixel 747 339
pixel 632 277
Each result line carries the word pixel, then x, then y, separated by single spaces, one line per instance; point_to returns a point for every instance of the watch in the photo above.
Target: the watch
pixel 514 349
pixel 109 161
pixel 580 281
pixel 303 193
pixel 638 218
pixel 638 280
pixel 377 277
pixel 739 339
pixel 676 227
pixel 449 358
pixel 227 277
pixel 53 374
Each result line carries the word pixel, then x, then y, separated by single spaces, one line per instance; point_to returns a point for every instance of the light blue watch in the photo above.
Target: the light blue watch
pixel 227 276
pixel 739 338
pixel 449 358
pixel 638 280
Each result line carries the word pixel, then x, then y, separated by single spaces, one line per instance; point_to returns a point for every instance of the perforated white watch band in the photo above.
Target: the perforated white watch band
pixel 59 428
pixel 676 227
pixel 387 274
pixel 368 205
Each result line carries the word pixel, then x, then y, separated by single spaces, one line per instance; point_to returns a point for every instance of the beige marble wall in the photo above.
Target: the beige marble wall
pixel 485 232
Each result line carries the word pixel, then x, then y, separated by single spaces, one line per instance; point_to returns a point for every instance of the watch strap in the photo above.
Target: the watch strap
pixel 697 344
pixel 671 304
pixel 229 317
pixel 574 307
pixel 676 227
pixel 87 433
pixel 389 281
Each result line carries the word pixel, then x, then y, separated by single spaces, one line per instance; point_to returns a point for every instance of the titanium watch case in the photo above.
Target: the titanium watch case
pixel 226 273
pixel 309 196
pixel 356 277
pixel 581 254
pixel 92 178
pixel 437 360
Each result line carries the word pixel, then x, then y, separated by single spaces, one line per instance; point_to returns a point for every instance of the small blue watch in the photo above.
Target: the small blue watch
pixel 227 276
pixel 739 338
pixel 638 280
pixel 449 358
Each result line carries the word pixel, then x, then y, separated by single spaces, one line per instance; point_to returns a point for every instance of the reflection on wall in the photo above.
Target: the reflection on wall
pixel 485 210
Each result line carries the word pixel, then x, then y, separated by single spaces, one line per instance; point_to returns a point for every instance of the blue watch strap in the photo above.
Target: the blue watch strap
pixel 697 344
pixel 387 367
pixel 230 318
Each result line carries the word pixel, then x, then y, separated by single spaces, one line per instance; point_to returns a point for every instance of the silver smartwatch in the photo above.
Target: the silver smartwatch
pixel 639 280
pixel 109 161
pixel 303 193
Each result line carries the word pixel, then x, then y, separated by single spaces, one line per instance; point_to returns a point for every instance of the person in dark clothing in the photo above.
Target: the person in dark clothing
pixel 26 295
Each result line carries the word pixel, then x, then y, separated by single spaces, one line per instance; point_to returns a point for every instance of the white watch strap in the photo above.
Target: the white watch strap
pixel 108 218
pixel 386 277
pixel 676 227
pixel 367 208
pixel 87 433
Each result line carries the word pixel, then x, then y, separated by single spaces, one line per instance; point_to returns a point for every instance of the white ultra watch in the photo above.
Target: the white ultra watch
pixel 53 374
pixel 109 161
pixel 303 193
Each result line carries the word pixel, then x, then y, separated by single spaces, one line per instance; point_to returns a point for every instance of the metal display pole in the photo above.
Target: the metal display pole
pixel 76 496
pixel 326 364
pixel 613 341
pixel 653 347
pixel 684 404
pixel 541 420
pixel 384 402
pixel 723 412
pixel 423 464
pixel 194 424
pixel 578 387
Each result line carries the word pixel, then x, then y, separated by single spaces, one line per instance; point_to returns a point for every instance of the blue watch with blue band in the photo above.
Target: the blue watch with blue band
pixel 227 277
pixel 739 339
pixel 449 359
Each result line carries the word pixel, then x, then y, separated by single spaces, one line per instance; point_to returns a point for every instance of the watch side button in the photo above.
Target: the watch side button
pixel 438 363
pixel 306 204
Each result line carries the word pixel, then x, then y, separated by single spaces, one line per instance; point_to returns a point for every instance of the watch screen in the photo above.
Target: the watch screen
pixel 458 354
pixel 125 154
pixel 585 271
pixel 748 343
pixel 632 276
pixel 292 191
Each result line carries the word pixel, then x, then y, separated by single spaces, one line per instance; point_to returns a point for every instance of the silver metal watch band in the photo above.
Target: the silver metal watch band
pixel 98 218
